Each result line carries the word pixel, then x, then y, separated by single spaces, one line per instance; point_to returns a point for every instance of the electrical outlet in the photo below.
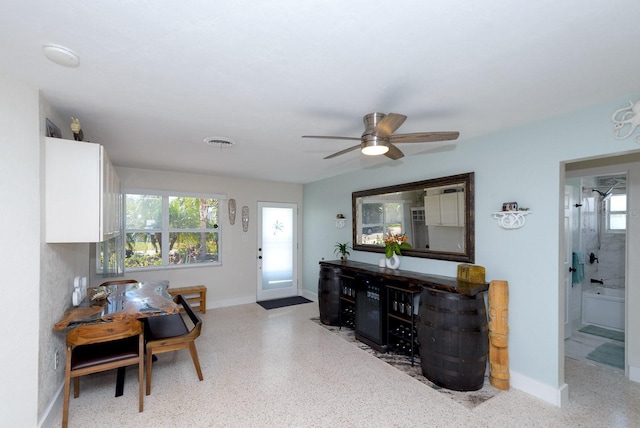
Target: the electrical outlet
pixel 56 360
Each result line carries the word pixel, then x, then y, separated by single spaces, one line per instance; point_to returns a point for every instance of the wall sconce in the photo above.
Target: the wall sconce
pixel 232 211
pixel 340 221
pixel 245 218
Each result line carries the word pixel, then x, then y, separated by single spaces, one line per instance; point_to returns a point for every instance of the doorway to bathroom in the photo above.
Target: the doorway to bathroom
pixel 596 282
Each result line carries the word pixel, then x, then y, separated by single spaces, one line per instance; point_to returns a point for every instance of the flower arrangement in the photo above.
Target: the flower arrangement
pixel 394 243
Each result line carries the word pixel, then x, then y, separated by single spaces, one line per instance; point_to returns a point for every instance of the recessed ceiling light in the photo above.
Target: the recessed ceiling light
pixel 61 55
pixel 219 142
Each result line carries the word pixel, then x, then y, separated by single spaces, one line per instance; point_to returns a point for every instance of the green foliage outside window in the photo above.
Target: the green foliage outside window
pixel 189 234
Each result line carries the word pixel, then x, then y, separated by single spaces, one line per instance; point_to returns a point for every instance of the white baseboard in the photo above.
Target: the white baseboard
pixel 556 396
pixel 634 373
pixel 231 302
pixel 310 295
pixel 54 411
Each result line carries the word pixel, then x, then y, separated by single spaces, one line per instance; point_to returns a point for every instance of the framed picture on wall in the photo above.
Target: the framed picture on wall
pixel 53 130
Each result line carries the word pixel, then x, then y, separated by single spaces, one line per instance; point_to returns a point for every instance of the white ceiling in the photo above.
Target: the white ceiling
pixel 157 77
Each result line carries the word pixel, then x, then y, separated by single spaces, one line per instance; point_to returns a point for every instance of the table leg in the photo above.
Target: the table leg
pixel 120 381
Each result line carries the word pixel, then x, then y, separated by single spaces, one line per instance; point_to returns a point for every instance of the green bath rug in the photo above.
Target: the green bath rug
pixel 608 353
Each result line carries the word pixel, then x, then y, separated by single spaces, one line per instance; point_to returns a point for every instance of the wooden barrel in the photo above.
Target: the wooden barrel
pixel 453 337
pixel 329 295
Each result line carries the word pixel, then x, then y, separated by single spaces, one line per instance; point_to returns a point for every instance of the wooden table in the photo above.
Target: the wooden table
pixel 124 301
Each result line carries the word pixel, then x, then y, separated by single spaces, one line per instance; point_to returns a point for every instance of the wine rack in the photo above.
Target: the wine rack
pixel 347 302
pixel 402 320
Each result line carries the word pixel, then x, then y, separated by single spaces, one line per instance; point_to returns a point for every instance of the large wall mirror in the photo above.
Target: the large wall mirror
pixel 436 215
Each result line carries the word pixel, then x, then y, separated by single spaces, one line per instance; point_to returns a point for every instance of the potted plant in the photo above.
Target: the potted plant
pixel 342 250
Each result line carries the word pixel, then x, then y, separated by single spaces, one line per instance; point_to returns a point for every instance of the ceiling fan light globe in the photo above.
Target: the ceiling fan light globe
pixel 374 150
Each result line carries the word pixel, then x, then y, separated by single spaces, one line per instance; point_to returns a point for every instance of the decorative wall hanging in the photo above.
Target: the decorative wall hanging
pixel 511 216
pixel 511 219
pixel 245 218
pixel 232 211
pixel 626 120
pixel 340 221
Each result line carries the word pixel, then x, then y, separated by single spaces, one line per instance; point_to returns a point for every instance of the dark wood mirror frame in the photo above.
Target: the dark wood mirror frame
pixel 466 180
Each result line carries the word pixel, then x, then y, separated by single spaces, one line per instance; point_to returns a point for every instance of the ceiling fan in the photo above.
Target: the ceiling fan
pixel 378 138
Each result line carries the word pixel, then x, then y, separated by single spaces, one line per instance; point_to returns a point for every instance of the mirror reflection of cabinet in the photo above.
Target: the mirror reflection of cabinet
pixel 444 209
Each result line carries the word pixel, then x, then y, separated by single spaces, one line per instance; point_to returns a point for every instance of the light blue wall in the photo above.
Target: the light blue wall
pixel 521 164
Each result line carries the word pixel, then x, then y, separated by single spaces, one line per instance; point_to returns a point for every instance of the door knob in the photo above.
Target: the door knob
pixel 572 269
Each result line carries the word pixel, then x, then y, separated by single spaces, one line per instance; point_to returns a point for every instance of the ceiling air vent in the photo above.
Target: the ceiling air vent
pixel 219 142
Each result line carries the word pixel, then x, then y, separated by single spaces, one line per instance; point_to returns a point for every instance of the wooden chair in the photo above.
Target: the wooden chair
pixel 169 333
pixel 99 347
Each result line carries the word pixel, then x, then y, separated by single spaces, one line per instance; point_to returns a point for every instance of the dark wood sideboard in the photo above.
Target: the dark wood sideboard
pixel 440 318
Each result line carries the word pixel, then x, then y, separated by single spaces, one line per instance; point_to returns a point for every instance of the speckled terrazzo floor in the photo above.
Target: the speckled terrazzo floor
pixel 468 399
pixel 278 368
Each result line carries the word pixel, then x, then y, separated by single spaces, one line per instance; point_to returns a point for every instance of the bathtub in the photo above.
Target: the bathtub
pixel 604 307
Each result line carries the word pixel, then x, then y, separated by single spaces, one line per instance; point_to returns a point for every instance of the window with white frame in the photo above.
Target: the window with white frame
pixel 617 213
pixel 171 230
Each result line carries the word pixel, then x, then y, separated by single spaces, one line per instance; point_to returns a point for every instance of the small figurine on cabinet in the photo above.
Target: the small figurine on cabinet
pixel 76 129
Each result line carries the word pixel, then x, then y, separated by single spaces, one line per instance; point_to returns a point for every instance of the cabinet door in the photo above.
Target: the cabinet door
pixel 73 180
pixel 111 200
pixel 432 210
pixel 81 189
pixel 449 209
pixel 441 210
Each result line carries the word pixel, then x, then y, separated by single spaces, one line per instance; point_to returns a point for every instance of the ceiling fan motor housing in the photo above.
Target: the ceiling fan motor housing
pixel 371 120
pixel 369 138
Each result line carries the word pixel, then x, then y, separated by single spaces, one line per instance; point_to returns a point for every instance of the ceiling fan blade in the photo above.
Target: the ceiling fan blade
pixel 394 152
pixel 331 138
pixel 389 124
pixel 341 152
pixel 423 137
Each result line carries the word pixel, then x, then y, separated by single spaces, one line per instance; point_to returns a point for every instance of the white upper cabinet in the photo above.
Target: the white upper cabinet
pixel 444 209
pixel 83 200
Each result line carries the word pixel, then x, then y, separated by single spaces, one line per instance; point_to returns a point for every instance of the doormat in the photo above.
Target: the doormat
pixel 603 332
pixel 608 353
pixel 281 303
pixel 468 399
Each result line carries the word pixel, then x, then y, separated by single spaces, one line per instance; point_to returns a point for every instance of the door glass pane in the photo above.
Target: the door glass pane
pixel 277 248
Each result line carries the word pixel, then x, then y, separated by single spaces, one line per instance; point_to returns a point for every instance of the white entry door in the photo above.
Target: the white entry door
pixel 277 250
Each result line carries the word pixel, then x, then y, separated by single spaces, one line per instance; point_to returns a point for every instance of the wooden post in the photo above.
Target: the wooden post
pixel 498 334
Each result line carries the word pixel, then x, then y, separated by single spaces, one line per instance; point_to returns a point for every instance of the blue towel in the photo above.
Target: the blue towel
pixel 578 266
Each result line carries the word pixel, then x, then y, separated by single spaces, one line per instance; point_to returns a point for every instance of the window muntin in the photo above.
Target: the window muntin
pixel 187 226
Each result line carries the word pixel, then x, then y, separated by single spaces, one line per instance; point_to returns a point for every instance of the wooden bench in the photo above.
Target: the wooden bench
pixel 194 294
